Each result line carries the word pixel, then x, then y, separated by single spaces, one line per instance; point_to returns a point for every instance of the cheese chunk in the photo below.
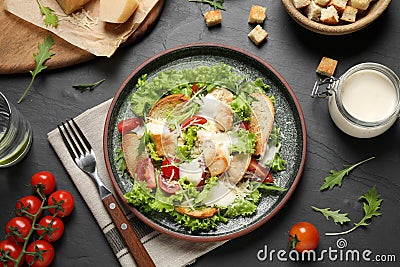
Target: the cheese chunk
pixel 70 6
pixel 117 11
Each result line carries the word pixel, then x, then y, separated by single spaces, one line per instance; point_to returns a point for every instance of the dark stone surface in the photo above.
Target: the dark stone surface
pixel 292 51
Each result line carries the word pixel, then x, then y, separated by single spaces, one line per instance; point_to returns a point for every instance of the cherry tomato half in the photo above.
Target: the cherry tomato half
pixel 303 236
pixel 30 204
pixel 262 173
pixel 127 125
pixel 145 172
pixel 169 169
pixel 14 250
pixel 67 202
pixel 44 180
pixel 195 120
pixel 45 248
pixel 18 228
pixel 195 88
pixel 51 228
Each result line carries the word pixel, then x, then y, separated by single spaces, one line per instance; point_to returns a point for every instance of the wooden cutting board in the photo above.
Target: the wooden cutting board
pixel 19 40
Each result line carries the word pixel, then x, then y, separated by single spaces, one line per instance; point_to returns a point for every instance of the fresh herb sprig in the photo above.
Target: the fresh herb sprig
pixel 40 58
pixel 50 18
pixel 371 207
pixel 335 215
pixel 217 4
pixel 89 86
pixel 336 177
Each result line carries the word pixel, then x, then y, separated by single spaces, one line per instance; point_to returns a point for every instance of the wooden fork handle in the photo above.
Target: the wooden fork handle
pixel 127 232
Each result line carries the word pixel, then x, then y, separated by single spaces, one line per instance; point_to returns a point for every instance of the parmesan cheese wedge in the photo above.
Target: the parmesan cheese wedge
pixel 70 6
pixel 117 11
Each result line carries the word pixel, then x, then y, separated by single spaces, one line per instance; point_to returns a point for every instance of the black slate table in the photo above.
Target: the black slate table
pixel 295 53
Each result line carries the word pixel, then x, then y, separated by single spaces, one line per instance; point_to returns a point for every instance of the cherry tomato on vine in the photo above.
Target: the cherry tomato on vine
pixel 13 249
pixel 67 202
pixel 169 170
pixel 30 204
pixel 17 229
pixel 303 236
pixel 128 125
pixel 45 249
pixel 51 228
pixel 44 180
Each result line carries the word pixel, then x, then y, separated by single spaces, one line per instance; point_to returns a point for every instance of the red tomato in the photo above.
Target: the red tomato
pixel 51 228
pixel 128 125
pixel 303 236
pixel 168 185
pixel 30 204
pixel 145 172
pixel 45 248
pixel 14 250
pixel 67 202
pixel 44 180
pixel 195 120
pixel 170 171
pixel 195 88
pixel 17 229
pixel 260 171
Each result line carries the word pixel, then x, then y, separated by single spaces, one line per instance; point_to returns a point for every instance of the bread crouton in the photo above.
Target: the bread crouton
pixel 301 3
pixel 261 120
pixel 130 147
pixel 213 17
pixel 313 11
pixel 360 4
pixel 339 5
pixel 200 214
pixel 349 14
pixel 322 3
pixel 166 105
pixel 258 35
pixel 329 16
pixel 257 14
pixel 327 66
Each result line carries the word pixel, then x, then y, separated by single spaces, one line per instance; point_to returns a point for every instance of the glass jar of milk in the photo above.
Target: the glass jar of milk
pixel 365 101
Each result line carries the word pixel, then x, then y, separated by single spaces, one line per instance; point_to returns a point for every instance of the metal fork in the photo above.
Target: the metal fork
pixel 82 153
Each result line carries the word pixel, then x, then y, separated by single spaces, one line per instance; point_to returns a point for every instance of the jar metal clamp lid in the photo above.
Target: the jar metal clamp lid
pixel 363 102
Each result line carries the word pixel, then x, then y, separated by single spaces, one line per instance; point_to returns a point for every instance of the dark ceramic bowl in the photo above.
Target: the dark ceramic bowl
pixel 288 117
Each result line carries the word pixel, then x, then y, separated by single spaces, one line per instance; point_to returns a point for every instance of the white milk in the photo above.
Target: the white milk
pixel 366 102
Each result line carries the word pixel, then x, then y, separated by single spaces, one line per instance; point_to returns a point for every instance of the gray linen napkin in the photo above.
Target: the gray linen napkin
pixel 163 249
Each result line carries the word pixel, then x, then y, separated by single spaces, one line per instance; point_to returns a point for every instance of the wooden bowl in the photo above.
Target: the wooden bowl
pixel 375 9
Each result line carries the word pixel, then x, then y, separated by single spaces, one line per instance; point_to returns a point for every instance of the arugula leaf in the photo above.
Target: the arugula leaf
pixel 336 177
pixel 41 57
pixel 50 18
pixel 218 4
pixel 89 86
pixel 335 215
pixel 371 206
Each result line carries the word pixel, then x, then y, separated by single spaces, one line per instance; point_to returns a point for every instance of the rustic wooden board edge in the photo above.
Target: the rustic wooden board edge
pixel 19 41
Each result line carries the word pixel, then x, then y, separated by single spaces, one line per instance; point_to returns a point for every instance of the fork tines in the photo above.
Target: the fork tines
pixel 74 139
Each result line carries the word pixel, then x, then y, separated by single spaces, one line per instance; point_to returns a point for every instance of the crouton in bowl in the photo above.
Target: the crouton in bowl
pixel 335 17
